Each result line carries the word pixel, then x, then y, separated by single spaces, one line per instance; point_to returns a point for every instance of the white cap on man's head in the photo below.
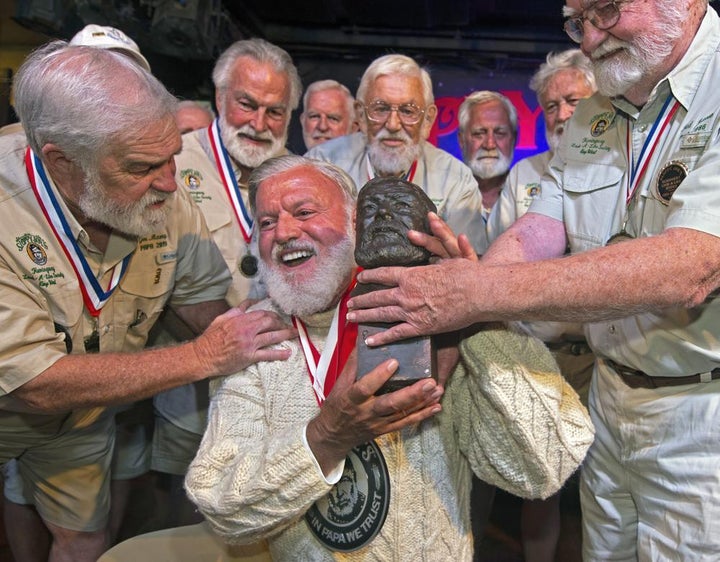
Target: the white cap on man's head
pixel 105 37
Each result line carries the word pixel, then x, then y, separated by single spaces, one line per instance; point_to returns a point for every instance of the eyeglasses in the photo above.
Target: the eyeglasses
pixel 603 15
pixel 408 113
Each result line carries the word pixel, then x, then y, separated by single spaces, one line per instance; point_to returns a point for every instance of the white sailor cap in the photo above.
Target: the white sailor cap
pixel 105 37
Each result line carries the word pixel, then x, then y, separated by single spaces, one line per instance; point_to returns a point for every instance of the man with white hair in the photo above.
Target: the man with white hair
pixel 328 112
pixel 632 192
pixel 281 435
pixel 256 89
pixel 396 111
pixel 560 83
pixel 192 115
pixel 487 133
pixel 97 241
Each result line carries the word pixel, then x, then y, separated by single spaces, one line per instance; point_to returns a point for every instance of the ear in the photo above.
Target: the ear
pixel 428 120
pixel 360 116
pixel 59 166
pixel 219 101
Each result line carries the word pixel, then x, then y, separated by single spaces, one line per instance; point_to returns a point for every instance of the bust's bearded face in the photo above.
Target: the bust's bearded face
pixel 385 213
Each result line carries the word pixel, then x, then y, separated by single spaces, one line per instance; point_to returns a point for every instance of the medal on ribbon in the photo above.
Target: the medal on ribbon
pixel 637 170
pixel 94 296
pixel 355 509
pixel 248 264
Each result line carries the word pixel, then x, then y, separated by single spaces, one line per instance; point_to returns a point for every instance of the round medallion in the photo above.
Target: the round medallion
pixel 249 266
pixel 670 178
pixel 354 511
pixel 621 236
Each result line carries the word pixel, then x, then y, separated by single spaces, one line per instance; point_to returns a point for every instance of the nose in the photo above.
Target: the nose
pixel 323 124
pixel 565 111
pixel 286 228
pixel 393 122
pixel 489 142
pixel 259 122
pixel 592 37
pixel 165 179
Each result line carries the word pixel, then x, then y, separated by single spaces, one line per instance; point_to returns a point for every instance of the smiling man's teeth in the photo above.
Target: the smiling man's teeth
pixel 296 256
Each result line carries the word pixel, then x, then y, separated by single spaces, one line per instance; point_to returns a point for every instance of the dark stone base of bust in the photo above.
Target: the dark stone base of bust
pixel 416 357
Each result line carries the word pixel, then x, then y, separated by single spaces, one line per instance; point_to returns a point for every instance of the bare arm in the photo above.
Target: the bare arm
pixel 530 238
pixel 682 264
pixel 230 343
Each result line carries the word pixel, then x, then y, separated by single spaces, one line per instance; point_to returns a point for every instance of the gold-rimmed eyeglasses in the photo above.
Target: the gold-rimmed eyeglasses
pixel 379 112
pixel 603 15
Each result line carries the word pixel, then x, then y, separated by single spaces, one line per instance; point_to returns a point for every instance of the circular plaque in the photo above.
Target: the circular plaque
pixel 621 236
pixel 353 512
pixel 249 266
pixel 669 179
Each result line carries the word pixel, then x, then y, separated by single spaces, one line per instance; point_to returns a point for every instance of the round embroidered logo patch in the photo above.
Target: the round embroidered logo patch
pixel 354 511
pixel 670 178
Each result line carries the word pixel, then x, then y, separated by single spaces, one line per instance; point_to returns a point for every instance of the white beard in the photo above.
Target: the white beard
pixel 310 296
pixel 246 153
pixel 553 137
pixel 392 161
pixel 635 60
pixel 134 219
pixel 485 168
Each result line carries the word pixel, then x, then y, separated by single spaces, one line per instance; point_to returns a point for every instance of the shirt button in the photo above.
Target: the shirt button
pixel 641 128
pixel 611 329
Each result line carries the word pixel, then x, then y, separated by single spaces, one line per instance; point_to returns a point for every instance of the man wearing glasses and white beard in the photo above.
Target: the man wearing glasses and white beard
pixel 396 111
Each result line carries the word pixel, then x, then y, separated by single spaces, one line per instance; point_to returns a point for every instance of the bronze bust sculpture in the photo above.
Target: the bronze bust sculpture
pixel 386 209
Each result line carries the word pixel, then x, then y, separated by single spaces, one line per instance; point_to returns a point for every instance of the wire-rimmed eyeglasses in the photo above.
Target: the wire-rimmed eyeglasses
pixel 602 15
pixel 379 112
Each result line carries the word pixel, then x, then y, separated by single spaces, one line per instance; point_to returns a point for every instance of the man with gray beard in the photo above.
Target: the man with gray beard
pixel 286 440
pixel 97 241
pixel 256 89
pixel 632 192
pixel 560 83
pixel 396 110
pixel 487 133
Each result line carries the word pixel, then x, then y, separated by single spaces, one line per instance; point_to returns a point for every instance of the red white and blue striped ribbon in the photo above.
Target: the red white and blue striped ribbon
pixel 224 166
pixel 94 296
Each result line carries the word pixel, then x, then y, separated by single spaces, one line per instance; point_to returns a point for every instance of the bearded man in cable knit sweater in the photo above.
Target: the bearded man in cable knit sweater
pixel 278 436
pixel 299 451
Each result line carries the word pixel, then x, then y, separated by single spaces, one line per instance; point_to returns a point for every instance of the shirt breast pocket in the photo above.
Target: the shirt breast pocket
pixel 144 292
pixel 594 203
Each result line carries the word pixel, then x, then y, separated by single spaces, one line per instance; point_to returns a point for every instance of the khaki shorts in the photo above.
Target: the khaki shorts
pixel 133 441
pixel 61 466
pixel 173 447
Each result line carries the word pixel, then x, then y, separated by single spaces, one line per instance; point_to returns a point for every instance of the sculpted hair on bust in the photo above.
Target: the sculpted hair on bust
pixel 261 51
pixel 395 64
pixel 387 207
pixel 85 99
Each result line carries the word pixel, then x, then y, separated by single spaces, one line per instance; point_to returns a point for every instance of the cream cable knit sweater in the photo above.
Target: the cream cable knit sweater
pixel 253 478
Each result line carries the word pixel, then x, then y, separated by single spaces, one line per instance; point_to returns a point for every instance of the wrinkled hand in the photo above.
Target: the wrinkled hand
pixel 448 355
pixel 425 300
pixel 352 414
pixel 238 339
pixel 443 243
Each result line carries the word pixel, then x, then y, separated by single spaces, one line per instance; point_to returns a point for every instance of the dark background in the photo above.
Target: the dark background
pixel 465 44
